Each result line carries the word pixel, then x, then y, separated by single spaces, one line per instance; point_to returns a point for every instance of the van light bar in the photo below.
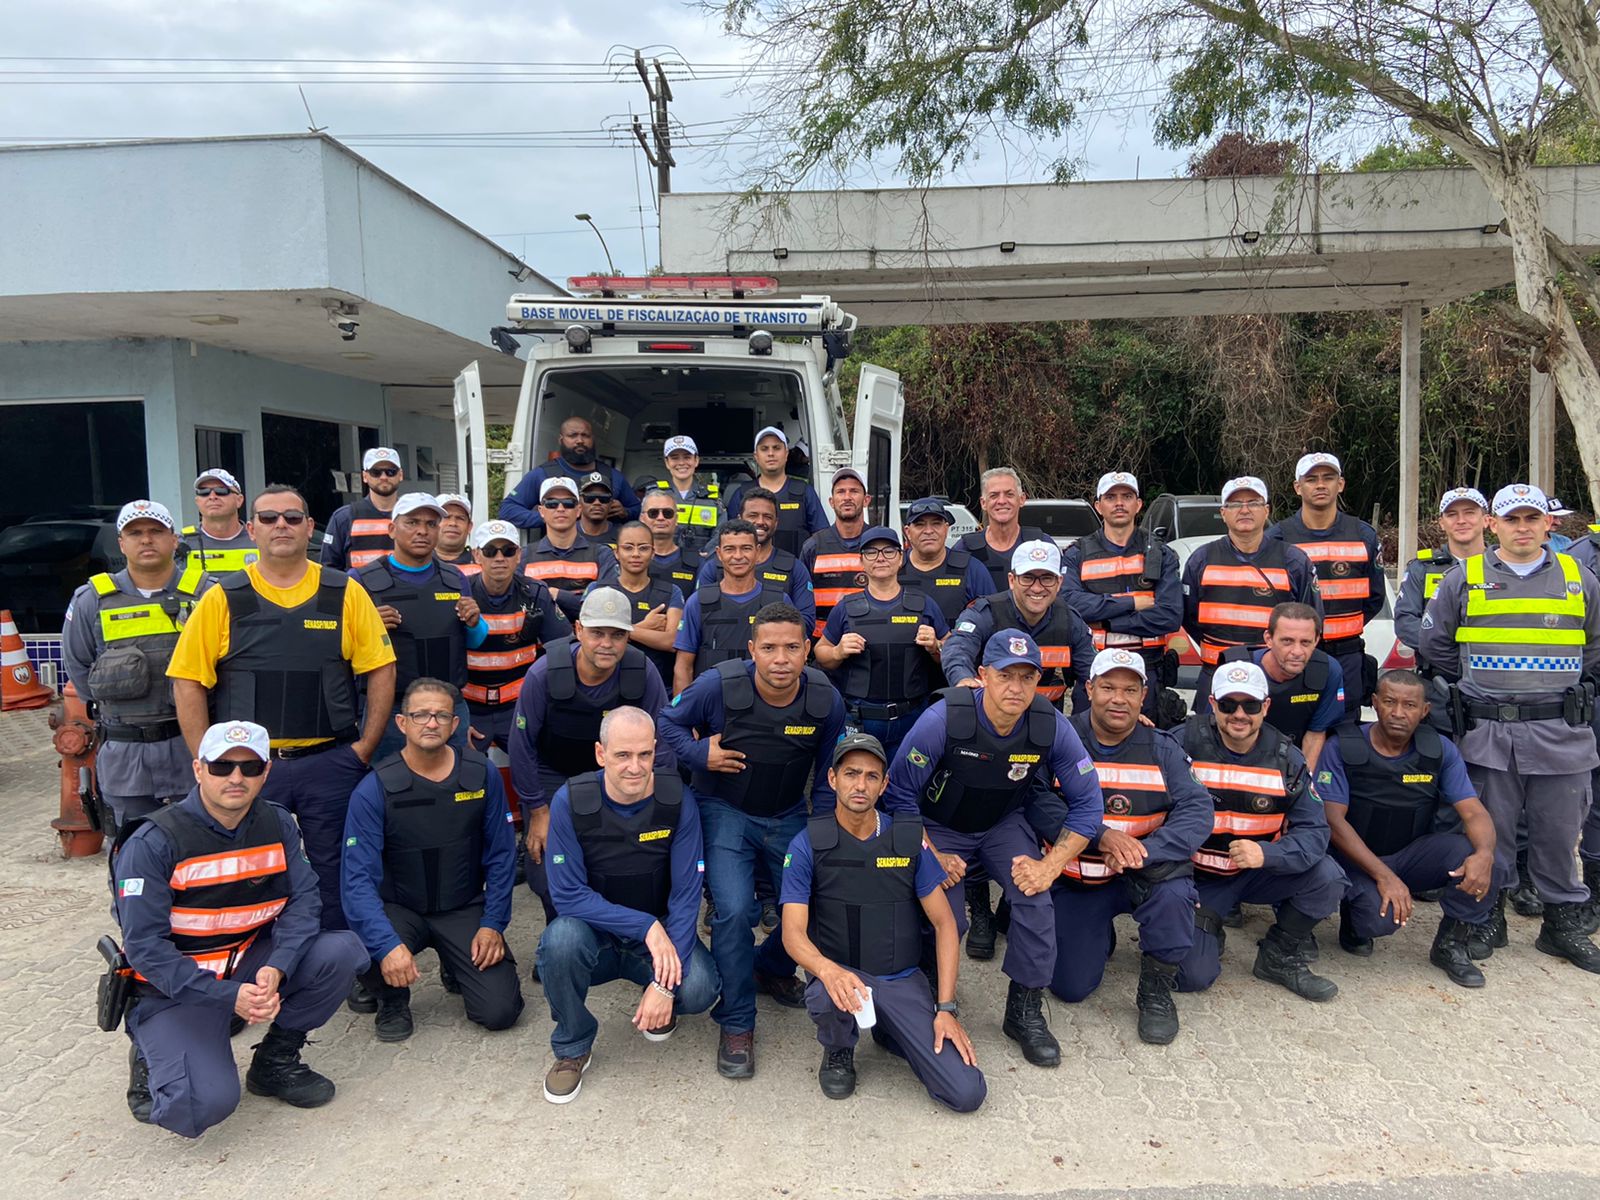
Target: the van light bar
pixel 674 285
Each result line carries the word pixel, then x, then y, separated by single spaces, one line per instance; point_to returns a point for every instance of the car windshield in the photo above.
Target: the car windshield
pixel 1061 520
pixel 1200 520
pixel 46 543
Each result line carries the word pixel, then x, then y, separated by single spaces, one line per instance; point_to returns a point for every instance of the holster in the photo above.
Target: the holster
pixel 1459 722
pixel 115 993
pixel 89 796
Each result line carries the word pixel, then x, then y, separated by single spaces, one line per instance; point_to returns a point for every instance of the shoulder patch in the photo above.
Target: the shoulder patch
pixel 1086 766
pixel 916 757
pixel 558 859
pixel 965 627
pixel 130 887
pixel 787 859
pixel 1322 776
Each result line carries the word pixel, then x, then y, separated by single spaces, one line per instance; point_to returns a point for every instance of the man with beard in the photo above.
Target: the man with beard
pixel 575 460
pixel 359 533
pixel 800 512
pixel 833 555
pixel 1305 685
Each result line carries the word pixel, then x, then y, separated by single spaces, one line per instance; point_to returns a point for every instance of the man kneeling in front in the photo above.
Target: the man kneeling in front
pixel 858 888
pixel 625 861
pixel 220 919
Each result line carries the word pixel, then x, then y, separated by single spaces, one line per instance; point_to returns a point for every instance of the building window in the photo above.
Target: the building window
pixel 71 455
pixel 221 448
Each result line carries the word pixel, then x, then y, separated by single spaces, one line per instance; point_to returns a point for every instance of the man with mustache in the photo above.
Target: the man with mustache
pixel 574 460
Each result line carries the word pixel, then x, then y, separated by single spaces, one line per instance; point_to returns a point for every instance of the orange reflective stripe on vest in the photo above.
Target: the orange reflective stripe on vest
pixel 1345 589
pixel 1223 575
pixel 1248 824
pixel 1135 826
pixel 482 693
pixel 1235 614
pixel 219 961
pixel 369 528
pixel 201 921
pixel 1134 776
pixel 510 622
pixel 360 558
pixel 1232 777
pixel 562 568
pixel 1331 551
pixel 1343 625
pixel 493 660
pixel 1110 568
pixel 225 868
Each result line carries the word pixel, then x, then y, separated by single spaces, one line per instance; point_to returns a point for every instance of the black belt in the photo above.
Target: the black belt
pixel 1515 712
pixel 874 710
pixel 161 731
pixel 285 753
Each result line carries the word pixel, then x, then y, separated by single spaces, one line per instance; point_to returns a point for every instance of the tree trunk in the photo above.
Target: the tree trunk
pixel 1564 355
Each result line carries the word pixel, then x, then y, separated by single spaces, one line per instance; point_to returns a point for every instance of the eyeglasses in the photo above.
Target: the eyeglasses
pixel 658 514
pixel 879 553
pixel 1235 505
pixel 597 497
pixel 292 517
pixel 558 504
pixel 1039 582
pixel 224 767
pixel 216 491
pixel 501 551
pixel 384 472
pixel 430 718
pixel 1228 705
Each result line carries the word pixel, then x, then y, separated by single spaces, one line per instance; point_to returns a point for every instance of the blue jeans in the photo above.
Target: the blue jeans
pixel 574 956
pixel 734 841
pixel 889 733
pixel 393 741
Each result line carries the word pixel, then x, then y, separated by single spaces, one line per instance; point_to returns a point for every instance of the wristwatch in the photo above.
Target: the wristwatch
pixel 948 1006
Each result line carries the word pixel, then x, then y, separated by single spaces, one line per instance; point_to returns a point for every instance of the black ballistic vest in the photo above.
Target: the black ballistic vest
pixel 433 834
pixel 571 719
pixel 864 911
pixel 779 744
pixel 945 585
pixel 893 668
pixel 430 642
pixel 1392 801
pixel 725 623
pixel 982 776
pixel 628 859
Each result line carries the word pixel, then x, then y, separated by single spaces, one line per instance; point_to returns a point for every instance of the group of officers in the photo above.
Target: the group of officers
pixel 699 705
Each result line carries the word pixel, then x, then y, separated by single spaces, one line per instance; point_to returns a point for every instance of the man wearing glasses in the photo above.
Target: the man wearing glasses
pixel 1269 839
pixel 220 540
pixel 595 499
pixel 1231 585
pixel 564 560
pixel 359 533
pixel 670 563
pixel 281 644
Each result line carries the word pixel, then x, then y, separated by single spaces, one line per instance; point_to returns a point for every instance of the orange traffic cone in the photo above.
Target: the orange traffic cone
pixel 19 686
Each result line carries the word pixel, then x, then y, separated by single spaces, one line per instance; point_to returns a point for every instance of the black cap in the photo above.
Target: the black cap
pixel 929 506
pixel 859 741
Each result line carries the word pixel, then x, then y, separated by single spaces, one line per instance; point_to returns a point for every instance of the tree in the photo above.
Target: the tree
pixel 928 84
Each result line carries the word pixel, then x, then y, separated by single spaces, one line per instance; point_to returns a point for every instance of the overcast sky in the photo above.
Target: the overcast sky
pixel 523 195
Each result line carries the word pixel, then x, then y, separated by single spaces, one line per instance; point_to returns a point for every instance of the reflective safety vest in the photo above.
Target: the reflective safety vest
pixel 433 834
pixel 982 776
pixel 1108 570
pixel 495 670
pixel 697 519
pixel 285 667
pixel 863 910
pixel 725 623
pixel 569 572
pixel 1054 640
pixel 1294 701
pixel 628 860
pixel 129 676
pixel 1134 790
pixel 224 890
pixel 1523 634
pixel 571 724
pixel 1342 559
pixel 464 564
pixel 1393 801
pixel 369 533
pixel 893 668
pixel 430 641
pixel 945 585
pixel 217 556
pixel 779 744
pixel 1251 797
pixel 1435 564
pixel 1237 596
pixel 836 572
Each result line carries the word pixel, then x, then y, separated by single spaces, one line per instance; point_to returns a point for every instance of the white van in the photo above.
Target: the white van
pixel 715 358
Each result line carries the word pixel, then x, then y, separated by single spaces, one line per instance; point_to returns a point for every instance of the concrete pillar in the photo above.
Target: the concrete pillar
pixel 1541 430
pixel 1410 427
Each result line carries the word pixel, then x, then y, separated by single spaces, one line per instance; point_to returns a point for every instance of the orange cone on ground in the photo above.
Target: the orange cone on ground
pixel 19 683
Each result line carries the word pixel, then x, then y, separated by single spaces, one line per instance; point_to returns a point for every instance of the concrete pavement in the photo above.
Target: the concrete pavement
pixel 1402 1086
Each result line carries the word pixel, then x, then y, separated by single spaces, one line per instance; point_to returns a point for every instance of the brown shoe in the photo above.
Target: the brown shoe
pixel 787 990
pixel 736 1054
pixel 564 1080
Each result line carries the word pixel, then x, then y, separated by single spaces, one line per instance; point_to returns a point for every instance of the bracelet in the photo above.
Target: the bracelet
pixel 667 992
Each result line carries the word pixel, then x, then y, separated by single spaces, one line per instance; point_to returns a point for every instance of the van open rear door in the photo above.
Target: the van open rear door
pixel 472 449
pixel 875 446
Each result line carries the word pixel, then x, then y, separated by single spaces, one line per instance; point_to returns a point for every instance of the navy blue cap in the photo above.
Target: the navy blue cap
pixel 1008 647
pixel 929 506
pixel 879 533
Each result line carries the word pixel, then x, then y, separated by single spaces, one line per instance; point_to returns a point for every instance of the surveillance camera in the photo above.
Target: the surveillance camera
pixel 347 327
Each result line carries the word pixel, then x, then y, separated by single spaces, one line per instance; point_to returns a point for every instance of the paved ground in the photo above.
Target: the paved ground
pixel 1404 1086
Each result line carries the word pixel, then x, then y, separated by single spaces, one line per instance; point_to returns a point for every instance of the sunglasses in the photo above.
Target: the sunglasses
pixel 249 768
pixel 293 517
pixel 501 551
pixel 384 472
pixel 1228 705
pixel 660 513
pixel 216 491
pixel 597 497
pixel 558 504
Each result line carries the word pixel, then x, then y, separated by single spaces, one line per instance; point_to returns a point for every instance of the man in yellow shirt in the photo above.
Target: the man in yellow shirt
pixel 282 646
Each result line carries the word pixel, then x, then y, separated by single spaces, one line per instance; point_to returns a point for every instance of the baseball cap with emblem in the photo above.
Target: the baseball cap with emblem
pixel 495 531
pixel 1520 495
pixel 144 510
pixel 415 502
pixel 1310 462
pixel 380 454
pixel 1036 556
pixel 1244 483
pixel 221 476
pixel 448 498
pixel 1456 495
pixel 1558 509
pixel 234 735
pixel 1239 679
pixel 1113 479
pixel 557 483
pixel 859 741
pixel 1010 648
pixel 929 506
pixel 595 479
pixel 605 608
pixel 684 443
pixel 771 431
pixel 1117 660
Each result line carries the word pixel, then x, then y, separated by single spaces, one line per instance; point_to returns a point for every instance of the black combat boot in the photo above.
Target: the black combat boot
pixel 1280 959
pixel 139 1098
pixel 1451 955
pixel 980 927
pixel 1562 935
pixel 1025 1025
pixel 1591 908
pixel 1525 897
pixel 1158 1015
pixel 1483 940
pixel 276 1070
pixel 837 1075
pixel 361 998
pixel 1349 941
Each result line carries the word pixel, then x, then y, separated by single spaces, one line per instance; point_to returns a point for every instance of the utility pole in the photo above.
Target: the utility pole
pixel 660 94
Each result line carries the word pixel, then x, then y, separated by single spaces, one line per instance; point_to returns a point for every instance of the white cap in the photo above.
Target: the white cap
pixel 774 431
pixel 1244 483
pixel 1519 495
pixel 144 510
pixel 681 442
pixel 1113 479
pixel 605 608
pixel 234 735
pixel 412 501
pixel 377 455
pixel 1239 678
pixel 1036 556
pixel 1310 462
pixel 220 476
pixel 1117 660
pixel 1455 495
pixel 445 498
pixel 495 531
pixel 557 483
pixel 847 473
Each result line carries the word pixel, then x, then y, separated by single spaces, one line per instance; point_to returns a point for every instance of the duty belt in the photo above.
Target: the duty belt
pixel 873 710
pixel 285 753
pixel 160 732
pixel 1515 712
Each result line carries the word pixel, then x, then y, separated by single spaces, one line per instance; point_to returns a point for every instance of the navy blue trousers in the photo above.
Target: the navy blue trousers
pixel 1086 934
pixel 316 789
pixel 1314 892
pixel 1422 866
